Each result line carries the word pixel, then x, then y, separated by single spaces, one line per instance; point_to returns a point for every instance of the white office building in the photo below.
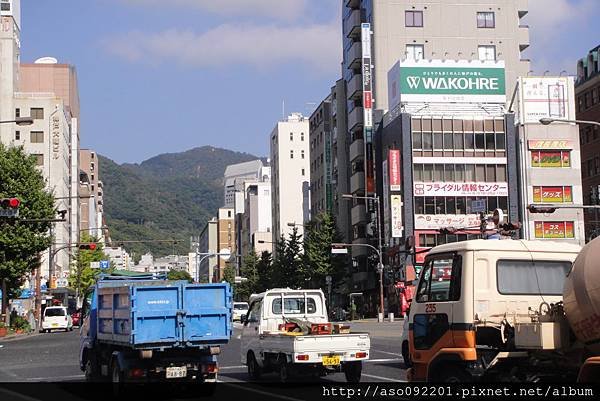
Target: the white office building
pixel 290 170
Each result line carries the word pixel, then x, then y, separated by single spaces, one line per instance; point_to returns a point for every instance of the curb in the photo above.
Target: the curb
pixel 15 337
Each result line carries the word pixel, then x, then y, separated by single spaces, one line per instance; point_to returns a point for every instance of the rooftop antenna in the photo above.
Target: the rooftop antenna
pixel 283 110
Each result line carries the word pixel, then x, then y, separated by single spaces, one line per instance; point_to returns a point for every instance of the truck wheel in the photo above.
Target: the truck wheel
pixel 253 368
pixel 284 372
pixel 91 373
pixel 353 371
pixel 452 374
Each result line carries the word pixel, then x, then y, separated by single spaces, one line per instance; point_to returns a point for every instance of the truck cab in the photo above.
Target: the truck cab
pixel 471 298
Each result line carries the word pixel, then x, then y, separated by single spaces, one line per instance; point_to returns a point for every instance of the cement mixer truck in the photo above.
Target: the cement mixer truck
pixel 507 310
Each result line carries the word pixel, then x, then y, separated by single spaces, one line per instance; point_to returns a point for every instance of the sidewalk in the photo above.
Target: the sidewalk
pixel 12 337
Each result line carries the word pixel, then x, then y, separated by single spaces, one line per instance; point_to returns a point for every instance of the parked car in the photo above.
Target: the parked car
pixel 56 318
pixel 239 309
pixel 76 317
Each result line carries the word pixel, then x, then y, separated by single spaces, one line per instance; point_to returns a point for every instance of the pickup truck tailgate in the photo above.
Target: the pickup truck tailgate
pixel 333 343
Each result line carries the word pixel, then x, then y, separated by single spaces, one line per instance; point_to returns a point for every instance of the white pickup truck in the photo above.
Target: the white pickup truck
pixel 265 348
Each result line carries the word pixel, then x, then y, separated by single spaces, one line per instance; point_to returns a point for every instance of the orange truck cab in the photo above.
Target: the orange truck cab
pixel 474 305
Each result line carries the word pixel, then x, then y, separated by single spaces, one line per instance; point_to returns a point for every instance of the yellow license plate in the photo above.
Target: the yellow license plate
pixel 54 324
pixel 333 360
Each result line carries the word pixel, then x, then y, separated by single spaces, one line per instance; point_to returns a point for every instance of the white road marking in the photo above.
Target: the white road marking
pixel 385 352
pixel 60 378
pixel 246 388
pixel 383 378
pixel 384 360
pixel 232 367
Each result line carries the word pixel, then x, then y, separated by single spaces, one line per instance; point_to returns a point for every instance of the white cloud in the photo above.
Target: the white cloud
pixel 281 9
pixel 263 47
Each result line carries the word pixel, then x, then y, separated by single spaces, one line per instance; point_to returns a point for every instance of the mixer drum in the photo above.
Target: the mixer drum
pixel 582 296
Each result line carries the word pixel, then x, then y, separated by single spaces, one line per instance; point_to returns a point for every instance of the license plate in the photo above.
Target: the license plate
pixel 176 372
pixel 54 324
pixel 333 360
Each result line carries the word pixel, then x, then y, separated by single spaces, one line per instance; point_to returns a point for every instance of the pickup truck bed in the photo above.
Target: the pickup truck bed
pixel 317 346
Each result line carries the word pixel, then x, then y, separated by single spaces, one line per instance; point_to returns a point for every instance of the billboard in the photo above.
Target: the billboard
pixel 554 229
pixel 435 222
pixel 546 97
pixel 394 166
pixel 446 81
pixel 461 189
pixel 553 194
pixel 396 206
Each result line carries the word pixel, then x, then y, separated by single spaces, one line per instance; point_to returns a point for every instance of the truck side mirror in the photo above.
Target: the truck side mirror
pixel 243 319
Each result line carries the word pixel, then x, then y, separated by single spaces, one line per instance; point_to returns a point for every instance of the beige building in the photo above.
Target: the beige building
pixel 91 194
pixel 226 239
pixel 321 197
pixel 290 175
pixel 208 243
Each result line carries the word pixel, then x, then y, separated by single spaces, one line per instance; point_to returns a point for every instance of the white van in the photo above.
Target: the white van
pixel 239 309
pixel 56 318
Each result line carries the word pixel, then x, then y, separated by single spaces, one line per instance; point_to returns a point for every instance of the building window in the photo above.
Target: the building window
pixel 37 137
pixel 5 6
pixel 486 19
pixel 487 53
pixel 17 135
pixel 302 154
pixel 413 18
pixel 415 52
pixel 303 171
pixel 39 159
pixel 17 112
pixel 37 113
pixel 229 213
pixel 291 136
pixel 291 154
pixel 302 136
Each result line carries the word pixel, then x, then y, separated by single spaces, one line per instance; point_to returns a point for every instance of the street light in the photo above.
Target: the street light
pixel 548 121
pixel 379 246
pixel 21 121
pixel 296 225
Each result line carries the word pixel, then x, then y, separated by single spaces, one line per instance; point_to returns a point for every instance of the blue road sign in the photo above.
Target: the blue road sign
pixel 104 264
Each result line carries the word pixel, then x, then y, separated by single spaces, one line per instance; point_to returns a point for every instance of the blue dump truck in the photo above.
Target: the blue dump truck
pixel 146 329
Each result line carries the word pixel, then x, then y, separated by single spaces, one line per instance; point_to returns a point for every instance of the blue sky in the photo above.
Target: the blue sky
pixel 160 76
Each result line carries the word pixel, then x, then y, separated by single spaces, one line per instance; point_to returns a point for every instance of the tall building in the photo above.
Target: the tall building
pixel 208 243
pixel 226 239
pixel 91 194
pixel 290 175
pixel 321 159
pixel 587 92
pixel 550 159
pixel 234 177
pixel 119 257
pixel 256 221
pixel 479 30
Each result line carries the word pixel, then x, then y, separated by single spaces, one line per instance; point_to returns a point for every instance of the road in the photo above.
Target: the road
pixel 54 358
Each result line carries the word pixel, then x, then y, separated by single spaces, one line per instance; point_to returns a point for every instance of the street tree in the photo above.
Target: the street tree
pixel 179 275
pixel 264 270
pixel 83 276
pixel 249 271
pixel 319 262
pixel 22 242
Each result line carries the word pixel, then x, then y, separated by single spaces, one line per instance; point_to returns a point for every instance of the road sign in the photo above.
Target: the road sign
pixel 342 251
pixel 239 279
pixel 328 279
pixel 104 264
pixel 95 265
pixel 225 254
pixel 478 205
pixel 9 212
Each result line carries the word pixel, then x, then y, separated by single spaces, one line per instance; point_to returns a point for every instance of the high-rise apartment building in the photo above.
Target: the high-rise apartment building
pixel 91 194
pixel 587 93
pixel 226 240
pixel 208 243
pixel 290 175
pixel 321 159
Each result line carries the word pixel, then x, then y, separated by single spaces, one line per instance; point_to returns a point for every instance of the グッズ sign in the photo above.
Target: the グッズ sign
pixel 446 81
pixel 553 194
pixel 461 189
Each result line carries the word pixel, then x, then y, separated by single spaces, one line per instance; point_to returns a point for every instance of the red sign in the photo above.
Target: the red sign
pixel 368 100
pixel 394 166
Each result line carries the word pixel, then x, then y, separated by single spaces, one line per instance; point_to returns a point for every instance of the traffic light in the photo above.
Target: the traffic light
pixel 91 246
pixel 541 209
pixel 10 203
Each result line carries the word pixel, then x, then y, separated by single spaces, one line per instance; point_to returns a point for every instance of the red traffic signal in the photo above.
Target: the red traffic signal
pixel 91 246
pixel 10 203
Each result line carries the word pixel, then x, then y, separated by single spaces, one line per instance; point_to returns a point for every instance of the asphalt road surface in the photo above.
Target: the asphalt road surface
pixel 54 357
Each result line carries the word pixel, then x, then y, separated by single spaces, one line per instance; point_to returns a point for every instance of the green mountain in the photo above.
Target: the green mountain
pixel 168 197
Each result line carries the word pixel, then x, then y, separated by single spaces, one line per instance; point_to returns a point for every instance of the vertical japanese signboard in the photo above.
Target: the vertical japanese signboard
pixel 367 86
pixel 394 166
pixel 546 97
pixel 386 202
pixel 396 209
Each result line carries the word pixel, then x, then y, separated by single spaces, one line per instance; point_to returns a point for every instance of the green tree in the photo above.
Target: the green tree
pixel 288 266
pixel 249 271
pixel 264 270
pixel 179 275
pixel 21 243
pixel 319 261
pixel 83 276
pixel 278 278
